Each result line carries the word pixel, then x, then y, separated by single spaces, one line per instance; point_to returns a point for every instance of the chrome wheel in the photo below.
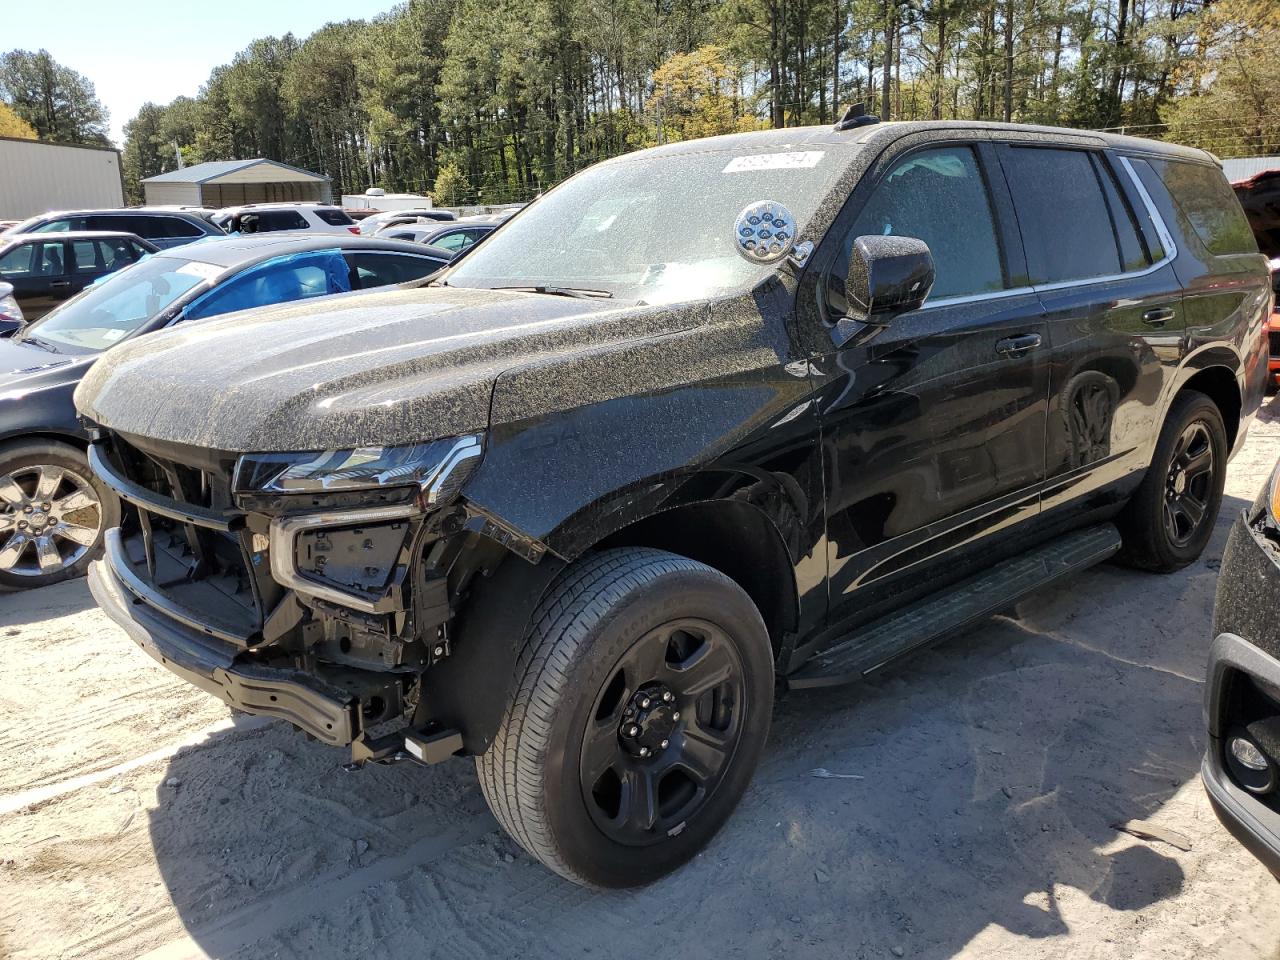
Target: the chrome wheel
pixel 50 517
pixel 1189 484
pixel 663 732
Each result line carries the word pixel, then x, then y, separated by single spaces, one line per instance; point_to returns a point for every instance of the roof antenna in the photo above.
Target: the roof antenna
pixel 856 116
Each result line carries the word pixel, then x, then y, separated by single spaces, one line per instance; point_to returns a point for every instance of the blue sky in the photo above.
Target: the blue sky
pixel 142 50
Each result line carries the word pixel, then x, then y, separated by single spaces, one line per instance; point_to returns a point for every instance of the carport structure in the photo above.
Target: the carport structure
pixel 227 183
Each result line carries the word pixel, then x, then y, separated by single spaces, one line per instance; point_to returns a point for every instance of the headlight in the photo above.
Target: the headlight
pixel 437 468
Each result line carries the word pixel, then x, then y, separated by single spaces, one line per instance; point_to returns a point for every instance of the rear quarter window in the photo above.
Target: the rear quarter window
pixel 1206 205
pixel 335 218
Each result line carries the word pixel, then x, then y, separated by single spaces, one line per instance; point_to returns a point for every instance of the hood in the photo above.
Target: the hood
pixel 381 368
pixel 25 368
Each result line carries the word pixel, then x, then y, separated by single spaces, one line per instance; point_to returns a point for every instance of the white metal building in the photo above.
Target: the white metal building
pixel 1242 168
pixel 230 183
pixel 36 177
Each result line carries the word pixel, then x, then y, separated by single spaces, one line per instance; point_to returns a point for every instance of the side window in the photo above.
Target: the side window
pixel 1134 254
pixel 282 280
pixel 137 250
pixel 53 226
pixel 18 262
pixel 380 269
pixel 452 241
pixel 335 218
pixel 281 220
pixel 88 256
pixel 1066 224
pixel 938 196
pixel 1206 202
pixel 177 228
pixel 149 228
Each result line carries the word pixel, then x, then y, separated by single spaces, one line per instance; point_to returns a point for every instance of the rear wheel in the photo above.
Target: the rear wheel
pixel 53 512
pixel 643 699
pixel 1171 516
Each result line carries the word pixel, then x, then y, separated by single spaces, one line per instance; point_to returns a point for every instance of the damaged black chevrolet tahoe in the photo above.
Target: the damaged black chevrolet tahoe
pixel 758 412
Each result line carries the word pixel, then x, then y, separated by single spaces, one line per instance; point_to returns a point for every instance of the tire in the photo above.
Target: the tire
pixel 615 633
pixel 22 467
pixel 1150 541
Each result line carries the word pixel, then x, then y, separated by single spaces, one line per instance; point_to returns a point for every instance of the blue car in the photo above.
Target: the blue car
pixel 52 509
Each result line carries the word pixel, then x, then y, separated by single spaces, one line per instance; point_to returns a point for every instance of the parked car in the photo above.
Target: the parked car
pixel 1259 195
pixel 165 228
pixel 772 408
pixel 44 269
pixel 285 217
pixel 454 237
pixel 1241 768
pixel 374 223
pixel 52 511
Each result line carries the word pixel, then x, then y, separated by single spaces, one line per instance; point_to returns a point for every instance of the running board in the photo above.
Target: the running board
pixel 942 614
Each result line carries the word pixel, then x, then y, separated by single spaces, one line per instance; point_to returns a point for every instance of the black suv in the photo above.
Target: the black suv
pixel 775 408
pixel 163 228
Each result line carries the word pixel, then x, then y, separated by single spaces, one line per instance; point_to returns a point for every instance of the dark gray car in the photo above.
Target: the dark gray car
pixel 164 228
pixel 52 510
pixel 44 270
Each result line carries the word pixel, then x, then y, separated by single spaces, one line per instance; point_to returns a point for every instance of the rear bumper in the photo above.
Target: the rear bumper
pixel 220 667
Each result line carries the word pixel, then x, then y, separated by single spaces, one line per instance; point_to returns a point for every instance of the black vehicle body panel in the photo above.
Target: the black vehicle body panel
pixel 1243 682
pixel 851 466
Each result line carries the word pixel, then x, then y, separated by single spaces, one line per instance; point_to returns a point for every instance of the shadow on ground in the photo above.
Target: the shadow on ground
pixel 994 767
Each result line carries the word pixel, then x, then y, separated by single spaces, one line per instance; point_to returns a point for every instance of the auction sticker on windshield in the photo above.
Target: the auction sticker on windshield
pixel 799 160
pixel 205 271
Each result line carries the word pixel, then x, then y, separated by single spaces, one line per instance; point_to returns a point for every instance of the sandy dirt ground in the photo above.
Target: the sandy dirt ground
pixel 139 819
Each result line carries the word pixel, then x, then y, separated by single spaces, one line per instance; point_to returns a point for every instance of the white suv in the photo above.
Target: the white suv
pixel 292 217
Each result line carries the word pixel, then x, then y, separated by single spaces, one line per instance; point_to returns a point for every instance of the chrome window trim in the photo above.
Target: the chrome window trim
pixel 1162 230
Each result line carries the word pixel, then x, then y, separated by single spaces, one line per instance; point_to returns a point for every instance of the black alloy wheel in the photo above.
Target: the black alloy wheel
pixel 640 705
pixel 1189 484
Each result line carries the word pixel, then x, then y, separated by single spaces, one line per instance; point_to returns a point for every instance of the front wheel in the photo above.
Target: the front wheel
pixel 53 512
pixel 643 699
pixel 1171 516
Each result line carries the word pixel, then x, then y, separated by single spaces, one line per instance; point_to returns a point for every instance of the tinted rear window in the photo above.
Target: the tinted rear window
pixel 335 218
pixel 1206 203
pixel 279 220
pixel 1066 223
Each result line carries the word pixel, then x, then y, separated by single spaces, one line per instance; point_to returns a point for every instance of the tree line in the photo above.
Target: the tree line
pixel 495 100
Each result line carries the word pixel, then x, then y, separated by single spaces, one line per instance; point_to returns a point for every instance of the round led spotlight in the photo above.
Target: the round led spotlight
pixel 1249 766
pixel 765 232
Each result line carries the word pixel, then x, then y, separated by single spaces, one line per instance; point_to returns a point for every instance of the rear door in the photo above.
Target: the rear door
pixel 1101 265
pixel 96 258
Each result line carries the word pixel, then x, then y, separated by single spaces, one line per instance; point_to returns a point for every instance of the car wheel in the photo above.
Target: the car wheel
pixel 1170 518
pixel 53 513
pixel 643 698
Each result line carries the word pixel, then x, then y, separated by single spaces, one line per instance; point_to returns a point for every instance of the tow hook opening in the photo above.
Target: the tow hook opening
pixel 430 745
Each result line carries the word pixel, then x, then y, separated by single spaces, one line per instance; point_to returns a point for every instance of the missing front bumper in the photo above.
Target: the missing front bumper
pixel 329 715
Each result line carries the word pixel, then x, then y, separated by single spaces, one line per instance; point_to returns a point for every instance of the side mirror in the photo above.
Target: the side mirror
pixel 887 276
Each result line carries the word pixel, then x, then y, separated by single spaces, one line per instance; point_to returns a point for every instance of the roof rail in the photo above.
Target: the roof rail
pixel 856 116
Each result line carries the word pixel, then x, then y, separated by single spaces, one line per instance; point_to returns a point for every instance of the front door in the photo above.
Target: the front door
pixel 933 426
pixel 40 274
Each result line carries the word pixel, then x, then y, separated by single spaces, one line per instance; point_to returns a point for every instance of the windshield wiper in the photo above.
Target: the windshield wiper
pixel 37 342
pixel 581 293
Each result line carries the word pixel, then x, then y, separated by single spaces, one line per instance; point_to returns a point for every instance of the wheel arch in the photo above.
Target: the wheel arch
pixel 1221 385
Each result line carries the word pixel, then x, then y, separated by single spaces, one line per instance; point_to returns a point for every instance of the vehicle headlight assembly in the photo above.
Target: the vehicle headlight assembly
pixel 437 468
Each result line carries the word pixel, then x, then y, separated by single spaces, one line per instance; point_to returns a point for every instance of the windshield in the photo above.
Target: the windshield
pixel 119 304
pixel 656 229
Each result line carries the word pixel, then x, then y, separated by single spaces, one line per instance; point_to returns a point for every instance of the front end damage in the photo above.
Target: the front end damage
pixel 317 588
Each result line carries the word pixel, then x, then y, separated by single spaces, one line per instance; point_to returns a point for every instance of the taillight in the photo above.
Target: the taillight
pixel 355 230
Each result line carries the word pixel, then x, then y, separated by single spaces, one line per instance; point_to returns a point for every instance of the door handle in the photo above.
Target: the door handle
pixel 59 284
pixel 1158 317
pixel 1018 346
